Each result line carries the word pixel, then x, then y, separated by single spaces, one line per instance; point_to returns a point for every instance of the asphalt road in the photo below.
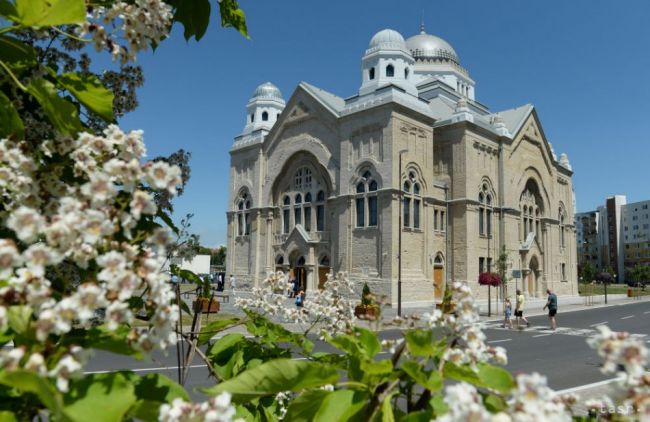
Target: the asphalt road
pixel 563 356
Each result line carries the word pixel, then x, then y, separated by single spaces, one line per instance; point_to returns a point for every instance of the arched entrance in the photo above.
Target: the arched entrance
pixel 299 272
pixel 323 270
pixel 533 272
pixel 438 277
pixel 279 263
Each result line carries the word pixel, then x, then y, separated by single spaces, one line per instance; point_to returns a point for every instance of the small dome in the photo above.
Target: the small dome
pixel 387 38
pixel 268 90
pixel 427 46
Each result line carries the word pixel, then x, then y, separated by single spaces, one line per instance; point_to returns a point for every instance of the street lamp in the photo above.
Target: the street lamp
pixel 399 237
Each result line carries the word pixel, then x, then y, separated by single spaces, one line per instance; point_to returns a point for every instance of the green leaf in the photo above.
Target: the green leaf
pixel 210 330
pixel 41 13
pixel 494 377
pixel 271 333
pixel 152 391
pixel 6 416
pixel 13 50
pixel 438 405
pixel 186 274
pixel 275 376
pixel 226 354
pixel 233 16
pixel 7 9
pixel 99 397
pixel 304 407
pixel 419 416
pixel 494 403
pixel 61 113
pixel 194 15
pixel 90 92
pixel 460 373
pixel 430 380
pixel 19 318
pixel 386 410
pixel 384 366
pixel 420 342
pixel 342 405
pixel 368 341
pixel 30 382
pixel 101 338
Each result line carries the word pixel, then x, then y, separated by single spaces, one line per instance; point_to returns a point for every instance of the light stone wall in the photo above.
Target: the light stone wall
pixel 460 156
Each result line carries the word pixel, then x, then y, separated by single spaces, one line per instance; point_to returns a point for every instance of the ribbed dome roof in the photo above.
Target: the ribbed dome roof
pixel 387 38
pixel 427 46
pixel 267 90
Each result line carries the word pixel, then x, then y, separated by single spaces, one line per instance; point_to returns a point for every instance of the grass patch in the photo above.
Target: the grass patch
pixel 612 289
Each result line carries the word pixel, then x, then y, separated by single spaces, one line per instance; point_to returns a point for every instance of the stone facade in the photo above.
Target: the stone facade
pixel 433 180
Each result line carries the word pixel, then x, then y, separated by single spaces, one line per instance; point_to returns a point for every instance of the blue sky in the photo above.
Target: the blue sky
pixel 582 63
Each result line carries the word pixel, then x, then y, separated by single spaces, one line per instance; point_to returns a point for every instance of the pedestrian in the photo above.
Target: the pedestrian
pixel 300 299
pixel 551 304
pixel 296 287
pixel 233 282
pixel 519 310
pixel 508 313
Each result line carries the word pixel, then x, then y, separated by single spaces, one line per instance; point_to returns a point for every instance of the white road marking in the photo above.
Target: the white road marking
pixel 647 312
pixel 586 386
pixel 541 335
pixel 500 341
pixel 600 323
pixel 162 368
pixel 628 317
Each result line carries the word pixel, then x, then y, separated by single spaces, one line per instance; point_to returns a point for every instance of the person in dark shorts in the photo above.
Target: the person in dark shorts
pixel 519 309
pixel 551 304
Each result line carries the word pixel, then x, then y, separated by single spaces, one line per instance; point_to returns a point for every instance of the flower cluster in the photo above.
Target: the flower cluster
pixel 216 409
pixel 139 23
pixel 628 357
pixel 331 307
pixel 533 400
pixel 463 325
pixel 76 245
pixel 464 404
pixel 489 279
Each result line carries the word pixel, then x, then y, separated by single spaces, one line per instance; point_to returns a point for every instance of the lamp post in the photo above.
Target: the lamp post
pixel 399 237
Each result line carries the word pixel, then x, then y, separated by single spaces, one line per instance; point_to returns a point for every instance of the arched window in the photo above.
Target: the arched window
pixel 406 73
pixel 320 211
pixel 562 228
pixel 286 216
pixel 532 210
pixel 366 201
pixel 298 205
pixel 485 211
pixel 252 118
pixel 371 73
pixel 243 215
pixel 265 116
pixel 390 71
pixel 412 202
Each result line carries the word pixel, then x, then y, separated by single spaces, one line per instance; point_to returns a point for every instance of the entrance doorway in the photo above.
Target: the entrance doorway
pixel 323 270
pixel 300 273
pixel 279 264
pixel 438 277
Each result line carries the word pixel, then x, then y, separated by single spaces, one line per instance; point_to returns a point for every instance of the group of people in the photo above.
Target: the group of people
pixel 296 292
pixel 551 305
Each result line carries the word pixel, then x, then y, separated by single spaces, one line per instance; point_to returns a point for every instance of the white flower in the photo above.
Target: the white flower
pixel 9 258
pixel 26 223
pixel 40 255
pixel 161 175
pixel 36 363
pixel 99 189
pixel 216 409
pixel 142 203
pixel 64 370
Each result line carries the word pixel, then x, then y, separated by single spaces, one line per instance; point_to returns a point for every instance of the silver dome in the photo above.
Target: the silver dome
pixel 427 46
pixel 387 38
pixel 267 90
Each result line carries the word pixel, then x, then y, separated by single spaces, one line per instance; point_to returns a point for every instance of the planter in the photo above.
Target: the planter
pixel 446 307
pixel 205 305
pixel 367 311
pixel 629 292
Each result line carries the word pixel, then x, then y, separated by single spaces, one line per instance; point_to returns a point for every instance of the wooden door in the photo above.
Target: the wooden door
pixel 438 285
pixel 322 276
pixel 531 282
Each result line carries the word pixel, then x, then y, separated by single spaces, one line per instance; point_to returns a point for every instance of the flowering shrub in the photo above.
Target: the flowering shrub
pixel 84 234
pixel 489 279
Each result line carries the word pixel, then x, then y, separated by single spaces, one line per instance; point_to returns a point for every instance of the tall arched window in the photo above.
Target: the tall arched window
pixel 371 73
pixel 390 71
pixel 562 228
pixel 366 201
pixel 298 205
pixel 412 202
pixel 531 210
pixel 265 116
pixel 286 214
pixel 406 73
pixel 243 215
pixel 320 211
pixel 485 211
